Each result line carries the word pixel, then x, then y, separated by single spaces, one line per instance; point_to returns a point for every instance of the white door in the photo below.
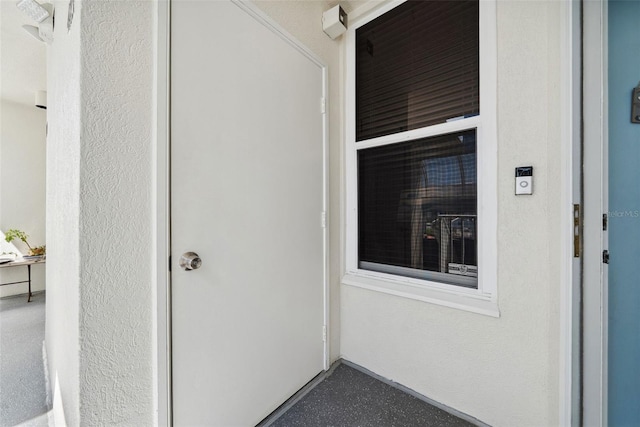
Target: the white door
pixel 247 195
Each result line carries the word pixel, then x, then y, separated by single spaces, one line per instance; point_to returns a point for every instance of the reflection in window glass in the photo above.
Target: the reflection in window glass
pixel 417 65
pixel 417 207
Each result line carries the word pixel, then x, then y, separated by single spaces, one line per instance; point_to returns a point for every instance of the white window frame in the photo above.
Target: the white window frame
pixel 482 300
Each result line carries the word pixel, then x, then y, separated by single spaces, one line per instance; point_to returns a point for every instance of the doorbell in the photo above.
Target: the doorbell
pixel 524 180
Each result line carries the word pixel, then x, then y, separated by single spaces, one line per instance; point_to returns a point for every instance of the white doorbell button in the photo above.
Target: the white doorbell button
pixel 524 180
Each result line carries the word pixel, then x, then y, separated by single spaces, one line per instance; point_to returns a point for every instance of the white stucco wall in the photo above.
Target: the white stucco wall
pixel 63 213
pixel 99 321
pixel 303 20
pixel 503 371
pixel 116 274
pixel 22 186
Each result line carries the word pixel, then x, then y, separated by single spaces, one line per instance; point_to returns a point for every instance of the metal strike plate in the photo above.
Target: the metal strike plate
pixel 576 231
pixel 635 106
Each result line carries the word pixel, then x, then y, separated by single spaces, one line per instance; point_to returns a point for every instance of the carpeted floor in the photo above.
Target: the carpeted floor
pixel 349 397
pixel 22 380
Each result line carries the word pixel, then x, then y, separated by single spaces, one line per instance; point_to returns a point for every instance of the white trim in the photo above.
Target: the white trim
pixel 272 25
pixel 595 204
pixel 435 130
pixel 161 219
pixel 487 155
pixel 474 303
pixel 325 218
pixel 570 193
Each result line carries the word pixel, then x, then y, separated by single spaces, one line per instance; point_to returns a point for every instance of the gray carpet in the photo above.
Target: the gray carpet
pixel 22 380
pixel 349 397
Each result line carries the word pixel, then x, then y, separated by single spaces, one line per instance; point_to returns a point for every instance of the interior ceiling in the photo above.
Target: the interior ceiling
pixel 22 58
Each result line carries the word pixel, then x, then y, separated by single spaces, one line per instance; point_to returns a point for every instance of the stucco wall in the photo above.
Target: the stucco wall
pixel 22 185
pixel 99 194
pixel 116 276
pixel 63 213
pixel 503 371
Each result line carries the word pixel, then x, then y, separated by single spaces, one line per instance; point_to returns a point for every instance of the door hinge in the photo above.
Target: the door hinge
pixel 323 105
pixel 169 262
pixel 605 256
pixel 605 221
pixel 323 219
pixel 576 231
pixel 324 333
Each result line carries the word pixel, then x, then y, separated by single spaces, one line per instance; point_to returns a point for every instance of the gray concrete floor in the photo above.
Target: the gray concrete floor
pixel 349 397
pixel 22 380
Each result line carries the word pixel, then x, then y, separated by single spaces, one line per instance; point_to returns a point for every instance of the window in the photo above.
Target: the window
pixel 421 147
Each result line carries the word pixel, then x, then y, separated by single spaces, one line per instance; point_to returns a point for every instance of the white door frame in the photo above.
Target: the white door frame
pixel 162 224
pixel 595 194
pixel 162 362
pixel 570 293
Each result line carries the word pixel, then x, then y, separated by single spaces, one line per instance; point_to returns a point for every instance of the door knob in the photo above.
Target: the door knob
pixel 190 261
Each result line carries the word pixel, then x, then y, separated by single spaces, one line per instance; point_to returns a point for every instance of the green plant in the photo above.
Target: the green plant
pixel 14 234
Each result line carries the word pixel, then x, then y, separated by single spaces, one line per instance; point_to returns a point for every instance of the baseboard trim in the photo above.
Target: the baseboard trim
pixel 47 381
pixel 23 295
pixel 282 409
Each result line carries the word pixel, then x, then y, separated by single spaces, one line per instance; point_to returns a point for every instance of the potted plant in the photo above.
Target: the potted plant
pixel 21 235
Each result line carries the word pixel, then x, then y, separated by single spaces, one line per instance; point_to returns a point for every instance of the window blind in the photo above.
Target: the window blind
pixel 417 206
pixel 416 66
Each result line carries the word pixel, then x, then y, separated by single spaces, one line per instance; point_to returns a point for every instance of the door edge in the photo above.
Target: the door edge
pixel 162 354
pixel 595 283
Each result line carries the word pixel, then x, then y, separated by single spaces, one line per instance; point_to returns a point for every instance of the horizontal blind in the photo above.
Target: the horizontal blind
pixel 416 66
pixel 409 194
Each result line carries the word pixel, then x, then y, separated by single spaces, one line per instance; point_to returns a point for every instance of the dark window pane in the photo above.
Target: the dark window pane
pixel 417 66
pixel 417 206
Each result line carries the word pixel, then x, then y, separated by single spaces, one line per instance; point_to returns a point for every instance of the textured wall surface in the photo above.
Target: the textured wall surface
pixel 22 185
pixel 116 280
pixel 99 313
pixel 303 20
pixel 99 324
pixel 503 371
pixel 63 210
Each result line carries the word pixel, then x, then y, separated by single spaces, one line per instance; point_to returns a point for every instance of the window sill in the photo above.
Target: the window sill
pixel 460 300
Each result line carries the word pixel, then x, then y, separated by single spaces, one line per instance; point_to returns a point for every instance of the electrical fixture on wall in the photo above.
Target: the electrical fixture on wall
pixel 43 15
pixel 334 22
pixel 41 99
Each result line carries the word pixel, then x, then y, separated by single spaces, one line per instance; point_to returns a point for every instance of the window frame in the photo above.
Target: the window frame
pixel 483 299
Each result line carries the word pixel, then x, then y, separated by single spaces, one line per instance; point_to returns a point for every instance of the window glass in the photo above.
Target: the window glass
pixel 416 66
pixel 417 207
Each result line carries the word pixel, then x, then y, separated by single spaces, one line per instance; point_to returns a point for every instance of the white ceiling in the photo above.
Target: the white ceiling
pixel 22 58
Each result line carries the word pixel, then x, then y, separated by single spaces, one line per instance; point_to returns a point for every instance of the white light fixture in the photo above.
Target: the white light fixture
pixel 334 21
pixel 41 99
pixel 42 14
